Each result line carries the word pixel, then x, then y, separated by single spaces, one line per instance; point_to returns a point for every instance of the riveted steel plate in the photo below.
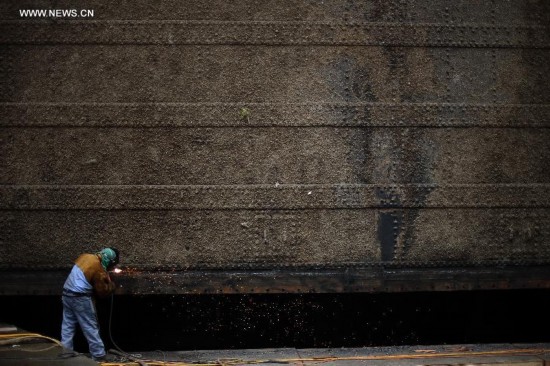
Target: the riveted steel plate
pixel 261 74
pixel 278 146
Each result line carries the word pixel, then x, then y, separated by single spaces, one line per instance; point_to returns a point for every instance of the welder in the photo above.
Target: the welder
pixel 89 278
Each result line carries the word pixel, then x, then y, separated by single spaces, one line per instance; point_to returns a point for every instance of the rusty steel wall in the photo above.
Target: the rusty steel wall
pixel 278 145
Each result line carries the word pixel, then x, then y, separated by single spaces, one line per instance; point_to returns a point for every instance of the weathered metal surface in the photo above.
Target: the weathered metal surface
pixel 416 11
pixel 265 197
pixel 267 74
pixel 373 279
pixel 302 138
pixel 250 239
pixel 251 156
pixel 365 114
pixel 272 33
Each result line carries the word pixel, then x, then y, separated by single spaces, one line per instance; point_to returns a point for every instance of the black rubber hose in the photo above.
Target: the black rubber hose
pixel 118 351
pixel 110 321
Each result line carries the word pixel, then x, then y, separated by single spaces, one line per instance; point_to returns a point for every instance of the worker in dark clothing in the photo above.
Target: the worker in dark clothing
pixel 89 278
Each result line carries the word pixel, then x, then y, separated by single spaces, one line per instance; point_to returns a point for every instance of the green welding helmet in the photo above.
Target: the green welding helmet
pixel 109 258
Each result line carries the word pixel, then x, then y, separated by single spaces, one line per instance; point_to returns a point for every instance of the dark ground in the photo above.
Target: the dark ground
pixel 149 323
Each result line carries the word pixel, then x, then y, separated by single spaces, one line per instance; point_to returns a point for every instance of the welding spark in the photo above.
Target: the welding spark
pixel 117 270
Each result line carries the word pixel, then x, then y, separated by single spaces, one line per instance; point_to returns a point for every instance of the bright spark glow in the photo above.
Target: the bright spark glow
pixel 117 270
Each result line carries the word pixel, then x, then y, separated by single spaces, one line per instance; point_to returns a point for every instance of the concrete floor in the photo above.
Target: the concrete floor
pixel 34 352
pixel 43 353
pixel 496 354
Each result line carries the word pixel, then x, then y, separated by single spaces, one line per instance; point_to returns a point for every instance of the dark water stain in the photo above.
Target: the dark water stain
pixel 350 80
pixel 351 83
pixel 388 231
pixel 360 155
pixel 416 165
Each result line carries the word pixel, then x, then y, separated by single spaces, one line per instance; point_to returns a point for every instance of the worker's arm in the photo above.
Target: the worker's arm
pixel 103 286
